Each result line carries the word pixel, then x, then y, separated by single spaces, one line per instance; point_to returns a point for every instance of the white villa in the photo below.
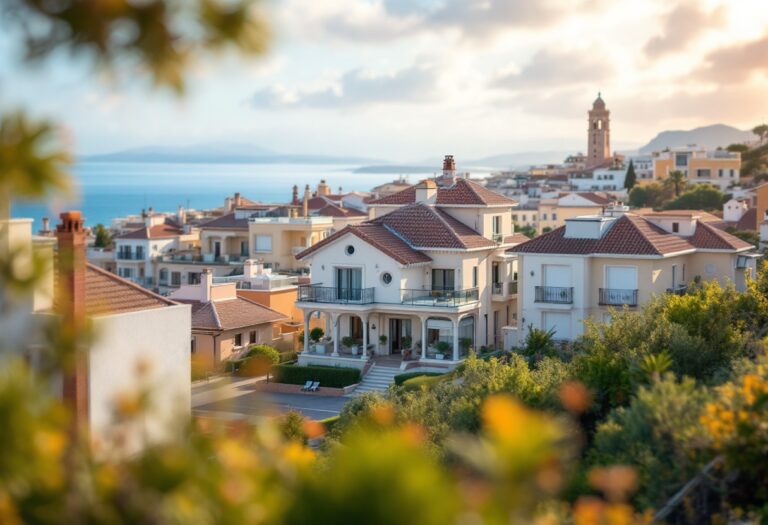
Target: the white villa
pixel 427 278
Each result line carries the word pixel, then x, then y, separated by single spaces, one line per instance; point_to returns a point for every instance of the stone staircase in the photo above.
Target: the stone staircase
pixel 377 379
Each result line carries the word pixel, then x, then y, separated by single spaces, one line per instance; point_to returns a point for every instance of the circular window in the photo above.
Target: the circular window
pixel 350 250
pixel 386 277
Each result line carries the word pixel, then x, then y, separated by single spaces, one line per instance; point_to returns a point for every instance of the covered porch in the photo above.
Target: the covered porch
pixel 364 333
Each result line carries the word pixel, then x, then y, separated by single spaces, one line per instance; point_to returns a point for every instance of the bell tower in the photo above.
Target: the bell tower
pixel 598 134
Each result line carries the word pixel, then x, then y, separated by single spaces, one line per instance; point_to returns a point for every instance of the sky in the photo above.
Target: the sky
pixel 415 79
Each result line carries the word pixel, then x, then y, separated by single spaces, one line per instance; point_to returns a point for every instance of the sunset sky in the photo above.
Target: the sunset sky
pixel 413 79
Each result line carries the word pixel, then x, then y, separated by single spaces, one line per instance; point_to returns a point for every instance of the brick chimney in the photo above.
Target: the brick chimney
pixel 449 170
pixel 70 305
pixel 46 224
pixel 237 200
pixel 295 195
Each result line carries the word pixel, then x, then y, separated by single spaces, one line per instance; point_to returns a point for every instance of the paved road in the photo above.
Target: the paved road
pixel 235 398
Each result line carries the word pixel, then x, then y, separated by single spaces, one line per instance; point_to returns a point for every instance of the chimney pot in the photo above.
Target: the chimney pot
pixel 206 281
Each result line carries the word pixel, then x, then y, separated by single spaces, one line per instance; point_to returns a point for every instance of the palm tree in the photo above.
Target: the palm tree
pixel 677 180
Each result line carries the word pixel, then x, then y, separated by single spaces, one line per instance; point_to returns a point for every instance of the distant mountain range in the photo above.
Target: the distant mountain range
pixel 220 152
pixel 234 153
pixel 709 137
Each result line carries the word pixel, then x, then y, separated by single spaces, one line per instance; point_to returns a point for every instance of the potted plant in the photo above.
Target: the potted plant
pixel 465 343
pixel 315 335
pixel 351 343
pixel 443 349
pixel 407 340
pixel 382 339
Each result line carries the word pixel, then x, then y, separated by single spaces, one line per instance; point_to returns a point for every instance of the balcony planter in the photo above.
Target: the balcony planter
pixel 439 357
pixel 321 348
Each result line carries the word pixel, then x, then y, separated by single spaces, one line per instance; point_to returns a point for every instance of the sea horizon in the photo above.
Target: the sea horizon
pixel 104 190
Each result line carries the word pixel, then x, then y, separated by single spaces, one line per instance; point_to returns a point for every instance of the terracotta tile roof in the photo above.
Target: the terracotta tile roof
pixel 106 293
pixel 463 193
pixel 517 238
pixel 633 235
pixel 231 314
pixel 703 216
pixel 332 210
pixel 423 226
pixel 380 238
pixel 748 222
pixel 708 237
pixel 159 231
pixel 596 197
pixel 227 222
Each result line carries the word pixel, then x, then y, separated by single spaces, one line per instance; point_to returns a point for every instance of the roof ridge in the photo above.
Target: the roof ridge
pixel 122 280
pixel 438 213
pixel 212 306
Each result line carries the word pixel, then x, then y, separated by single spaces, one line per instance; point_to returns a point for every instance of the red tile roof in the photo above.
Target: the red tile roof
pixel 231 314
pixel 380 238
pixel 332 210
pixel 463 192
pixel 517 238
pixel 632 235
pixel 227 222
pixel 423 226
pixel 596 197
pixel 159 231
pixel 106 293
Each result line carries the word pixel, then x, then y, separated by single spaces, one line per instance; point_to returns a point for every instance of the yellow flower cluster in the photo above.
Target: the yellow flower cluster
pixel 739 410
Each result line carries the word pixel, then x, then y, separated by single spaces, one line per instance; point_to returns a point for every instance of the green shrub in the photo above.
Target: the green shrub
pixel 426 380
pixel 329 376
pixel 291 426
pixel 266 352
pixel 287 357
pixel 402 378
pixel 443 347
pixel 348 341
pixel 329 423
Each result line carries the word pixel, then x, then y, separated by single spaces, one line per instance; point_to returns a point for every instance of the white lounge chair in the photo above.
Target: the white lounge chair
pixel 315 386
pixel 307 386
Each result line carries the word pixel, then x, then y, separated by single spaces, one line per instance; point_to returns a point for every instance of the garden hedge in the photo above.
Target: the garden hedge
pixel 402 378
pixel 329 376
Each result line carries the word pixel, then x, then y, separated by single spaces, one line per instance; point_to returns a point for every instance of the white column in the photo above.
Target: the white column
pixel 365 336
pixel 423 337
pixel 307 316
pixel 335 324
pixel 456 340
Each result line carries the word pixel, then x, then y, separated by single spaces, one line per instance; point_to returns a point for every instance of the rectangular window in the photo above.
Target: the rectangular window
pixel 252 337
pixel 192 345
pixel 262 243
pixel 139 252
pixel 238 340
pixel 720 173
pixel 443 279
pixel 193 278
pixel 176 278
pixel 675 227
pixel 554 216
pixel 703 173
pixel 497 224
pixel 543 216
pixel 681 159
pixel 733 173
pixel 349 284
pixel 474 277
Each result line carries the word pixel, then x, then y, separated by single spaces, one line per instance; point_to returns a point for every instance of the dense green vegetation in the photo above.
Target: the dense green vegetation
pixel 662 196
pixel 641 385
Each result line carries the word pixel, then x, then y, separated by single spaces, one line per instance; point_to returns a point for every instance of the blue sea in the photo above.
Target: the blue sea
pixel 104 190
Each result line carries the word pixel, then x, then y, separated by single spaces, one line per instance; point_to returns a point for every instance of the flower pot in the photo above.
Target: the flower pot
pixel 439 357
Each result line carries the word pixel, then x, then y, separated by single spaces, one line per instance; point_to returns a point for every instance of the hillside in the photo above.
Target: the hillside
pixel 711 137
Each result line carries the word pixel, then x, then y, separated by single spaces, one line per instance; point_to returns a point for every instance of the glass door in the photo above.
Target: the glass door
pixel 349 282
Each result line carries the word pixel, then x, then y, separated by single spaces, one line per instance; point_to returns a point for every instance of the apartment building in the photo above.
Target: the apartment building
pixel 552 213
pixel 430 267
pixel 138 251
pixel 595 263
pixel 224 324
pixel 719 168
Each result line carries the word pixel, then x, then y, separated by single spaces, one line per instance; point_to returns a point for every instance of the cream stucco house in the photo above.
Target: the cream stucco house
pixel 429 268
pixel 598 262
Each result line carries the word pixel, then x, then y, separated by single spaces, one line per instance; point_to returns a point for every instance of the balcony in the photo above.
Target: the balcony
pixel 295 250
pixel 497 288
pixel 617 297
pixel 680 289
pixel 441 298
pixel 332 295
pixel 129 256
pixel 497 238
pixel 554 294
pixel 208 258
pixel 512 288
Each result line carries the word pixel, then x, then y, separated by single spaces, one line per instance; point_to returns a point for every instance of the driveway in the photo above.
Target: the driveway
pixel 235 398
